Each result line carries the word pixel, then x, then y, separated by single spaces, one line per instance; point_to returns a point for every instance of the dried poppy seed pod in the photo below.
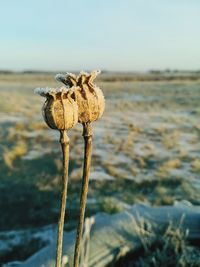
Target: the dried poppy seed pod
pixel 69 79
pixel 89 98
pixel 60 111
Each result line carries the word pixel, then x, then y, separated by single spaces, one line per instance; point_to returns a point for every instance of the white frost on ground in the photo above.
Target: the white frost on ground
pixel 9 239
pixel 35 154
pixel 7 118
pixel 97 175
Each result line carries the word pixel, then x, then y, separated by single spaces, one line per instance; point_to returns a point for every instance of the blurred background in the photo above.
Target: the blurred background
pixel 147 144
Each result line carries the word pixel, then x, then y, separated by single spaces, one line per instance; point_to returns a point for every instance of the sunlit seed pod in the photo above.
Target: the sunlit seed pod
pixel 89 98
pixel 60 111
pixel 69 79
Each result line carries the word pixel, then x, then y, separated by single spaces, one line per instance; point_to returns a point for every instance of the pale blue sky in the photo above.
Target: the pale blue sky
pixel 127 35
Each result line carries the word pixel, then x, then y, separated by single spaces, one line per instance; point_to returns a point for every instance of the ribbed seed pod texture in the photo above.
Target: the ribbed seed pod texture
pixel 90 104
pixel 89 98
pixel 60 111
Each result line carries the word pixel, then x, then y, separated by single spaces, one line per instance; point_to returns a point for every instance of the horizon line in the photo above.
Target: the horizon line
pixel 152 70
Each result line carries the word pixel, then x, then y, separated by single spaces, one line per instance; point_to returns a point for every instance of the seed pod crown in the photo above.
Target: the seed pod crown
pixel 89 97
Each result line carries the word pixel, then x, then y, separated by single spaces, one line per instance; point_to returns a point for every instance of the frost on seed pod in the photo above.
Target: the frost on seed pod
pixel 69 79
pixel 60 111
pixel 89 98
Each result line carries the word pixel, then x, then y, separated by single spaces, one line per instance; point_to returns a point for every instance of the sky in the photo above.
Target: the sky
pixel 113 35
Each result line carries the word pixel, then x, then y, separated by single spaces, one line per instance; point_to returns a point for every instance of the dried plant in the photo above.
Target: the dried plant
pixel 85 244
pixel 91 104
pixel 60 112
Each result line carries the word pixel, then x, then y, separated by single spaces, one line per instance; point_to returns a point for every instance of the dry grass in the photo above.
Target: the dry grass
pixel 111 205
pixel 17 151
pixel 167 249
pixel 172 164
pixel 196 165
pixel 170 141
pixel 148 140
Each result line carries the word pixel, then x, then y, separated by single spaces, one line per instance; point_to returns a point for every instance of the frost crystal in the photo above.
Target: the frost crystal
pixel 46 91
pixel 61 76
pixel 93 73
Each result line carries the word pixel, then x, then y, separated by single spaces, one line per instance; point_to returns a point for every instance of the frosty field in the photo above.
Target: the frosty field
pixel 146 149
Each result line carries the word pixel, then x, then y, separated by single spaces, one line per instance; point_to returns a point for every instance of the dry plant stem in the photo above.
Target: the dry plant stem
pixel 87 134
pixel 64 140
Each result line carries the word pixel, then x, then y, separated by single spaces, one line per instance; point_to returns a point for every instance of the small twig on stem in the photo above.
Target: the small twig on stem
pixel 87 135
pixel 64 140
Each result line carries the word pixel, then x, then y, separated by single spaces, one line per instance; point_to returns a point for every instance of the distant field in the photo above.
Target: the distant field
pixel 146 148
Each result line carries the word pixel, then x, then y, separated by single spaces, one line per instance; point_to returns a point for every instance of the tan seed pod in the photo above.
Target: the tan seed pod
pixel 60 111
pixel 69 79
pixel 89 98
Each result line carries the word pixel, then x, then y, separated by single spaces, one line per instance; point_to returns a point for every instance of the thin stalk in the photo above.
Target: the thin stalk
pixel 87 135
pixel 64 140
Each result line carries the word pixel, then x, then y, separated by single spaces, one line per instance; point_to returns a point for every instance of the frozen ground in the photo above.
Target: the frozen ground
pixel 146 149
